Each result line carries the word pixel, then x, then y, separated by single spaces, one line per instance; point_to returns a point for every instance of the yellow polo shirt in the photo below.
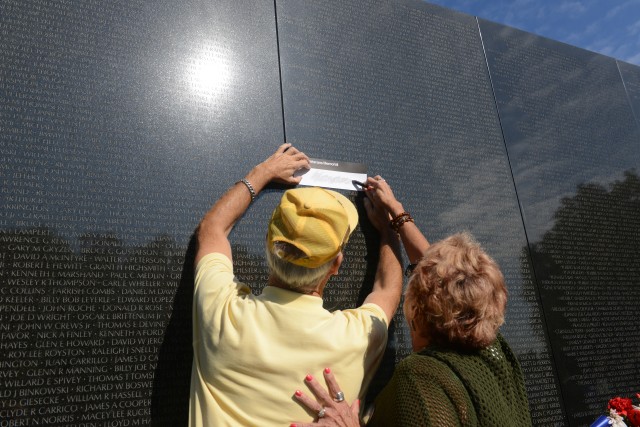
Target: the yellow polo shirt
pixel 252 352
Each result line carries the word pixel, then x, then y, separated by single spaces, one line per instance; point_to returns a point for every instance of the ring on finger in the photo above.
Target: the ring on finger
pixel 339 397
pixel 321 413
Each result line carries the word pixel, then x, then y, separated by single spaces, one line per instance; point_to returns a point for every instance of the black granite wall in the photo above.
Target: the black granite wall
pixel 121 122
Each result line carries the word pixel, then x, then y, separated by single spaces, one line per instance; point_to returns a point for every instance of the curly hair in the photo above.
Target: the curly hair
pixel 457 294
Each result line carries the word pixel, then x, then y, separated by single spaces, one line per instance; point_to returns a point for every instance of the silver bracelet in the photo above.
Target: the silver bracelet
pixel 249 187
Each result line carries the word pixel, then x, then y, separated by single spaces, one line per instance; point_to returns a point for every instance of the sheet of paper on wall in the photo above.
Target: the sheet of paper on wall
pixel 334 174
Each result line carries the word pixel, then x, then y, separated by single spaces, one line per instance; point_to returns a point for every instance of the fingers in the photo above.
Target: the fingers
pixel 328 408
pixel 288 174
pixel 309 402
pixel 302 161
pixel 355 409
pixel 318 391
pixel 334 388
pixel 291 151
pixel 295 180
pixel 298 159
pixel 283 147
pixel 372 182
pixel 375 181
pixel 285 162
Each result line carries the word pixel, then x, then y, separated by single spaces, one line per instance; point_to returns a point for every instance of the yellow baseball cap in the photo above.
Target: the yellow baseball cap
pixel 315 220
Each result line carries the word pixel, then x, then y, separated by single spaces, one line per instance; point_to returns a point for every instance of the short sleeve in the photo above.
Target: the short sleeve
pixel 367 329
pixel 215 282
pixel 376 311
pixel 369 321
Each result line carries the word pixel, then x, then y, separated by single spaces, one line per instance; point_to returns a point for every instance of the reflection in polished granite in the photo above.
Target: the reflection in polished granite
pixel 403 88
pixel 573 147
pixel 120 123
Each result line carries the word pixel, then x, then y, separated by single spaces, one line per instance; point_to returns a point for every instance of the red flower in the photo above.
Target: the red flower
pixel 622 405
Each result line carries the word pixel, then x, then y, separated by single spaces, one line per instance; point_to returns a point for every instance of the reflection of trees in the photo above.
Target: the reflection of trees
pixel 587 266
pixel 42 272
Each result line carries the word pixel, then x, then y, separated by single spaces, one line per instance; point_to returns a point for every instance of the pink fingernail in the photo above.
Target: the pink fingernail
pixel 298 393
pixel 308 377
pixel 327 370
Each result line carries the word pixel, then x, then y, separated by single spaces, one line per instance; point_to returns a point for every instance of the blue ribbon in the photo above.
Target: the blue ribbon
pixel 602 421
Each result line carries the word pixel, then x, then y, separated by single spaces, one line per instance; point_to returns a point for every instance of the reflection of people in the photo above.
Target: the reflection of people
pixel 462 371
pixel 248 348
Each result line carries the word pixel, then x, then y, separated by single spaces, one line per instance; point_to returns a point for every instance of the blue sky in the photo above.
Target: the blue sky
pixel 609 27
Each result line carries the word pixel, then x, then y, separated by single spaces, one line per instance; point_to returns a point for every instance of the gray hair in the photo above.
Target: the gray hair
pixel 297 278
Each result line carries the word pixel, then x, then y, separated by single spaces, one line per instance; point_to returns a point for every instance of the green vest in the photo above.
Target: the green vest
pixel 445 387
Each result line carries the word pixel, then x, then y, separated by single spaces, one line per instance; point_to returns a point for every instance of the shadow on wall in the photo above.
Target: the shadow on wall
pixel 111 324
pixel 372 244
pixel 171 385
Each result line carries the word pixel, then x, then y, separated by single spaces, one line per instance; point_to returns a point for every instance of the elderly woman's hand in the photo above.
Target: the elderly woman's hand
pixel 379 197
pixel 330 408
pixel 379 191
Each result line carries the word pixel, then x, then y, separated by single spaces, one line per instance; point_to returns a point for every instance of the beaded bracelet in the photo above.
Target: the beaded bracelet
pixel 399 221
pixel 249 187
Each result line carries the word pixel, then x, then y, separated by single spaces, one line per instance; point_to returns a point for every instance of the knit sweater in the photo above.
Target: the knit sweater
pixel 444 387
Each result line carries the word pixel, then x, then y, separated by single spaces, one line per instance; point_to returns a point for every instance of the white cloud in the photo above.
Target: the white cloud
pixel 634 28
pixel 616 10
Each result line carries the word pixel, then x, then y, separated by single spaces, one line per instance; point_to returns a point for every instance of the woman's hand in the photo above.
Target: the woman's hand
pixel 284 163
pixel 327 407
pixel 381 195
pixel 379 192
pixel 379 198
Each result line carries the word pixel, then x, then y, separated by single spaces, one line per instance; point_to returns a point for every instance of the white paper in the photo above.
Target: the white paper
pixel 334 174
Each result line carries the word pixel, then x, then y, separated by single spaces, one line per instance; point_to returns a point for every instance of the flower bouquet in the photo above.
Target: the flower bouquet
pixel 622 413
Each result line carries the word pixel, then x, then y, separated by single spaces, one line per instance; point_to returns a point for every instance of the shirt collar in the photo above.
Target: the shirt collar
pixel 284 296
